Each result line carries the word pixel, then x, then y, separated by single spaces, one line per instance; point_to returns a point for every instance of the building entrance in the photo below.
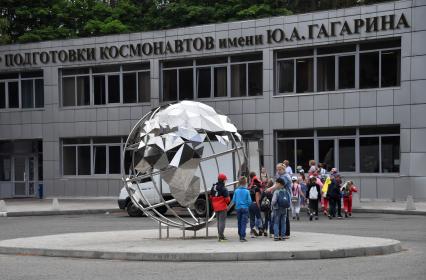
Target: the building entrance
pixel 23 179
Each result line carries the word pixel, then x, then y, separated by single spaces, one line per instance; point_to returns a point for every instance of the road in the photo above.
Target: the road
pixel 409 264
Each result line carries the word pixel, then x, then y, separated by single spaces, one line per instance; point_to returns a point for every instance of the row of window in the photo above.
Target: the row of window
pixel 22 90
pixel 352 66
pixel 235 76
pixel 356 66
pixel 106 85
pixel 362 150
pixel 92 156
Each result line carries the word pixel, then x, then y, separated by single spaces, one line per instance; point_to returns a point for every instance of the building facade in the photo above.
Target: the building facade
pixel 343 87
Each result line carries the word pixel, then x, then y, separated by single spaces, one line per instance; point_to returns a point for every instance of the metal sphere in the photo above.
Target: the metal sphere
pixel 176 152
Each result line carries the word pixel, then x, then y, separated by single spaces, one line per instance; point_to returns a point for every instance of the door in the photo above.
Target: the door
pixel 24 176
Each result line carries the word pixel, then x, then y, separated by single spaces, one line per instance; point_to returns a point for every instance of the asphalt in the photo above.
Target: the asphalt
pixel 144 245
pixel 91 205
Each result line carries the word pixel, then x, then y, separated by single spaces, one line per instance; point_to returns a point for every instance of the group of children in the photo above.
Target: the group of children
pixel 266 203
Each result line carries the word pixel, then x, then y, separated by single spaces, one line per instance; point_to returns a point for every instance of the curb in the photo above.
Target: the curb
pixel 60 212
pixel 390 211
pixel 394 247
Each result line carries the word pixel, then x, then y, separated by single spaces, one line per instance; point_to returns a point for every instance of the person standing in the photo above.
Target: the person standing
pixel 296 195
pixel 313 193
pixel 280 204
pixel 347 189
pixel 334 197
pixel 242 202
pixel 288 169
pixel 256 222
pixel 264 175
pixel 265 207
pixel 220 199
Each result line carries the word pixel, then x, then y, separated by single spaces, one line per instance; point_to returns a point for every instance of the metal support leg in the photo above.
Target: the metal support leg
pixel 167 230
pixel 159 230
pixel 183 231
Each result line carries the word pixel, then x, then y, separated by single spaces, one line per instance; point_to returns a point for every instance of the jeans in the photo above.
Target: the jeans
pixel 268 221
pixel 333 203
pixel 242 216
pixel 295 208
pixel 221 221
pixel 279 221
pixel 255 218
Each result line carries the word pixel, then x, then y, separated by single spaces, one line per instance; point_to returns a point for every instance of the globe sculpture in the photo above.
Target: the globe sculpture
pixel 179 149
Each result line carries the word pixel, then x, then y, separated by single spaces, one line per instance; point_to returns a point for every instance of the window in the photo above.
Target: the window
pixel 211 77
pixel 5 168
pixel 92 156
pixel 378 148
pixel 2 95
pixel 13 90
pixel 129 83
pixel 22 90
pixel 335 66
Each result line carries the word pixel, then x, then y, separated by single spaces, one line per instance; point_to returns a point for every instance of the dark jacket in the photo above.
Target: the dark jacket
pixel 219 196
pixel 333 190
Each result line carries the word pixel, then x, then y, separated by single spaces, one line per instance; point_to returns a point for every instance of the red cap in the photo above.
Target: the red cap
pixel 222 177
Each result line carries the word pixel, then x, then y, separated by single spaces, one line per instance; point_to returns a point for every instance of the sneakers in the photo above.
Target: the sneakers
pixel 253 233
pixel 346 215
pixel 276 239
pixel 294 218
pixel 329 216
pixel 350 214
pixel 339 217
pixel 271 235
pixel 243 240
pixel 297 217
pixel 310 218
pixel 316 218
pixel 265 234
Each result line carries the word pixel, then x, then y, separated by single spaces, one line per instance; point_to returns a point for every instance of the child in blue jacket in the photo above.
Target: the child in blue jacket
pixel 242 201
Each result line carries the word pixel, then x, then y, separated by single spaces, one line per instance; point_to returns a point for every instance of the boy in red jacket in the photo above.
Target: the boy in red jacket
pixel 347 189
pixel 220 199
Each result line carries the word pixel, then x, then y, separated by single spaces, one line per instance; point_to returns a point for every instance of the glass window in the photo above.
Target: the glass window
pixel 169 85
pixel 129 88
pixel 220 82
pixel 83 160
pixel 369 154
pixel 99 155
pixel 114 160
pixel 113 89
pixel 2 95
pixel 186 84
pixel 5 168
pixel 203 82
pixel 27 94
pixel 99 90
pixel 347 155
pixel 13 94
pixel 346 72
pixel 286 76
pixel 83 90
pixel 304 152
pixel 69 161
pixel 390 154
pixel 369 70
pixel 326 153
pixel 238 80
pixel 391 68
pixel 304 75
pixel 144 87
pixel 326 73
pixel 285 151
pixel 255 79
pixel 39 93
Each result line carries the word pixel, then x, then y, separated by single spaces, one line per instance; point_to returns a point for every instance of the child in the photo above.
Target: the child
pixel 347 189
pixel 265 207
pixel 242 202
pixel 324 190
pixel 219 197
pixel 296 195
pixel 280 203
pixel 255 188
pixel 313 193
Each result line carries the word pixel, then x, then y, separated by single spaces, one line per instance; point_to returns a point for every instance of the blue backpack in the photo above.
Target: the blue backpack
pixel 283 200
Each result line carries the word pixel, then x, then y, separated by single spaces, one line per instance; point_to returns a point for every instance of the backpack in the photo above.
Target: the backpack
pixel 313 193
pixel 283 200
pixel 265 203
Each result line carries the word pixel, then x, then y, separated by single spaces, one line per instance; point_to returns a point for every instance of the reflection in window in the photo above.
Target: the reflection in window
pixel 220 82
pixel 285 151
pixel 255 79
pixel 347 155
pixel 169 85
pixel 286 76
pixel 186 89
pixel 13 94
pixel 203 82
pixel 369 70
pixel 238 80
pixel 304 152
pixel 391 68
pixel 369 155
pixel 346 72
pixel 326 73
pixel 390 154
pixel 326 153
pixel 304 75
